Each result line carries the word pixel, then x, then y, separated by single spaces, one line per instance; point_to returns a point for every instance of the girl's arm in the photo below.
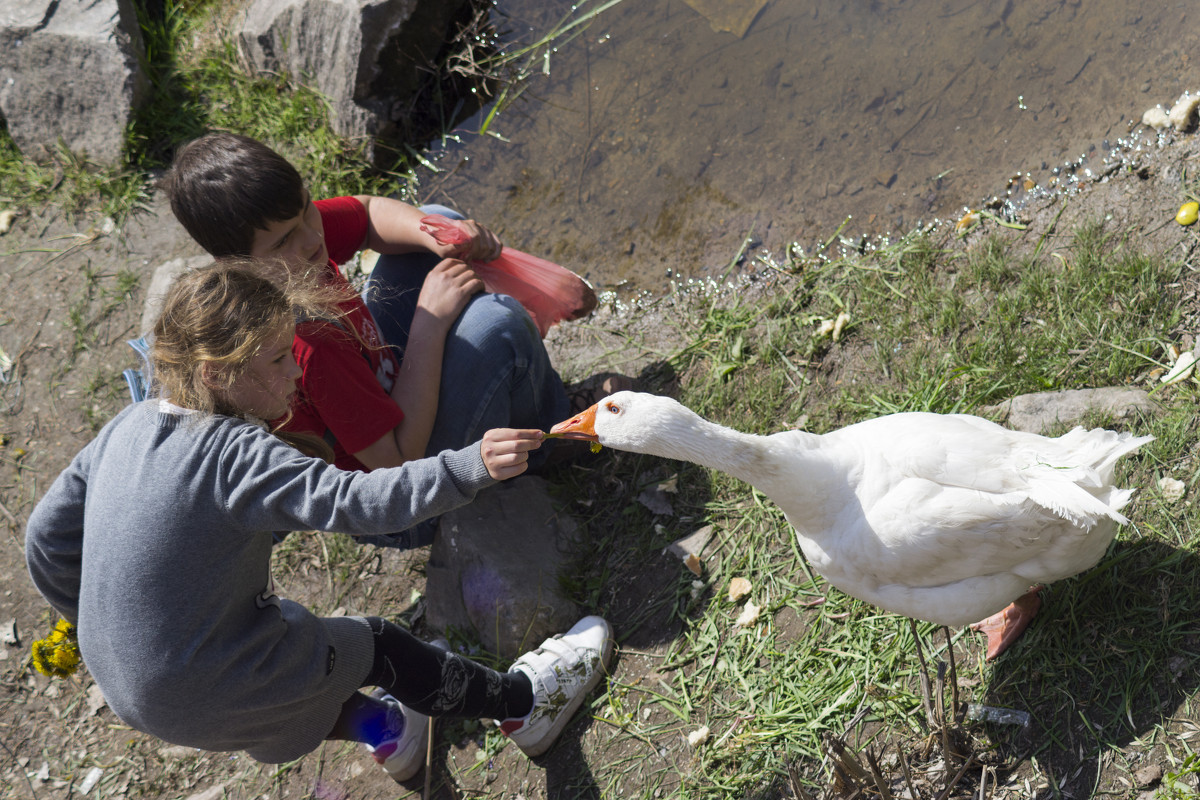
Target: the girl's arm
pixel 54 540
pixel 267 485
pixel 395 227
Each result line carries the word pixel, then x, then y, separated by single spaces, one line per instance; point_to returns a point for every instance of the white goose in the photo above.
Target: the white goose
pixel 945 518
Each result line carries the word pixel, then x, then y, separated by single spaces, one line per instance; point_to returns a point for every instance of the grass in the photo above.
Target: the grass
pixel 934 328
pixel 99 299
pixel 68 182
pixel 931 326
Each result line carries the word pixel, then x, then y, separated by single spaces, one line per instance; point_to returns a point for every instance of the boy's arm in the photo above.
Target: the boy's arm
pixel 395 227
pixel 445 293
pixel 416 392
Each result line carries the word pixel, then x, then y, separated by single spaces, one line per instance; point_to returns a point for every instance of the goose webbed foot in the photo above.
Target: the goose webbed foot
pixel 1004 627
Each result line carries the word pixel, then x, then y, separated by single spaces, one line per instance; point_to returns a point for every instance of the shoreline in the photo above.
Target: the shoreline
pixel 1138 197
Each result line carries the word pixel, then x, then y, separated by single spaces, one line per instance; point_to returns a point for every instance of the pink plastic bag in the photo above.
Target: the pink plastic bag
pixel 550 293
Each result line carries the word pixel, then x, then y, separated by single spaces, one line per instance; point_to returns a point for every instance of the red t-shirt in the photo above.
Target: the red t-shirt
pixel 344 389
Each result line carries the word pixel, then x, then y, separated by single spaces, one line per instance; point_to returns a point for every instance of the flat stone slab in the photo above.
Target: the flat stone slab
pixel 1040 411
pixel 494 568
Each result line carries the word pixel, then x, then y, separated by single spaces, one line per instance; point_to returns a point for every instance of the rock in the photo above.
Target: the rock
pixel 656 500
pixel 174 752
pixel 95 700
pixel 164 275
pixel 1148 775
pixel 1184 111
pixel 1040 411
pixel 211 793
pixel 691 547
pixel 72 70
pixel 1172 489
pixel 1156 118
pixel 494 567
pixel 367 56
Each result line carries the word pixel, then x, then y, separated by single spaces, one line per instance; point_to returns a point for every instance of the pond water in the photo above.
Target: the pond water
pixel 657 145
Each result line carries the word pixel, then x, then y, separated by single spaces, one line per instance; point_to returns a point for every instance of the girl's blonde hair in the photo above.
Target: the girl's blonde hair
pixel 216 319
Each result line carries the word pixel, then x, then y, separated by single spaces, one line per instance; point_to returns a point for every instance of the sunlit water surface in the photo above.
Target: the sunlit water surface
pixel 656 146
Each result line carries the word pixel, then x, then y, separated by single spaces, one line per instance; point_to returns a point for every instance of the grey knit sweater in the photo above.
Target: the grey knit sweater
pixel 156 541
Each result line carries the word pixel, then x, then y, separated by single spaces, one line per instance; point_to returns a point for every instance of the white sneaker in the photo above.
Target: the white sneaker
pixel 402 756
pixel 563 671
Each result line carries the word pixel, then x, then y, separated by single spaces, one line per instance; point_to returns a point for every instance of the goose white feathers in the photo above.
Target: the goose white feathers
pixel 942 517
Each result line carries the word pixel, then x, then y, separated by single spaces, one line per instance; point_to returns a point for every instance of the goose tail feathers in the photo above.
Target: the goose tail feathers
pixel 1084 494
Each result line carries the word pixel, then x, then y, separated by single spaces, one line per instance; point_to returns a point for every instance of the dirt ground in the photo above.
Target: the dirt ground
pixel 71 293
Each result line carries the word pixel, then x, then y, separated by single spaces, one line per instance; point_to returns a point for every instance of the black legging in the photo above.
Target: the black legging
pixel 429 680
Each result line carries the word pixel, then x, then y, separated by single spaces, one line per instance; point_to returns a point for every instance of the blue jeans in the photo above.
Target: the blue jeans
pixel 496 372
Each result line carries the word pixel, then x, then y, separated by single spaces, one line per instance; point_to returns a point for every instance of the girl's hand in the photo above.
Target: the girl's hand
pixel 446 290
pixel 482 245
pixel 505 451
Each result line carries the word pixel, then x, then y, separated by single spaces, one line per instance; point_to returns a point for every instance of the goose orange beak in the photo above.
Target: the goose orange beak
pixel 582 426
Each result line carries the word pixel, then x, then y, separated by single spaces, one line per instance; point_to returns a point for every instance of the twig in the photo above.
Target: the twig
pixel 7 749
pixel 912 790
pixel 437 185
pixel 627 731
pixel 9 515
pixel 844 760
pixel 16 362
pixel 925 698
pixel 941 702
pixel 739 254
pixel 1049 230
pixel 877 774
pixel 946 792
pixel 794 778
pixel 587 146
pixel 429 760
pixel 1016 226
pixel 954 715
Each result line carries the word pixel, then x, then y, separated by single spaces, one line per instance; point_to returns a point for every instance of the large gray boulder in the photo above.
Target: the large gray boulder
pixel 494 568
pixel 70 69
pixel 366 56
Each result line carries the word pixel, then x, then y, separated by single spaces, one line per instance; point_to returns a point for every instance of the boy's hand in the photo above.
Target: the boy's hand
pixel 447 288
pixel 505 451
pixel 483 245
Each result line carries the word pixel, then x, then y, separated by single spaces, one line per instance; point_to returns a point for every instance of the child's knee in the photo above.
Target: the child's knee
pixel 489 316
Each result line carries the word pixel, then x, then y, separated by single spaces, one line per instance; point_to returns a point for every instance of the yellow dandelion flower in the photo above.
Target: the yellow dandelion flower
pixel 57 656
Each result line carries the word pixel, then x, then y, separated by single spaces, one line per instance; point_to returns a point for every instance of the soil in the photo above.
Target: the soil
pixel 66 309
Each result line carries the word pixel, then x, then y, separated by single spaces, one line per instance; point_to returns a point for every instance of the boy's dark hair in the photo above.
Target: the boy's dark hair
pixel 223 187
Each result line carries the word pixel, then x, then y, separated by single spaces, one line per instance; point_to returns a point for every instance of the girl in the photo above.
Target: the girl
pixel 156 543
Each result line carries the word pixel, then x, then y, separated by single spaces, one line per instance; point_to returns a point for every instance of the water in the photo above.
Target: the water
pixel 656 147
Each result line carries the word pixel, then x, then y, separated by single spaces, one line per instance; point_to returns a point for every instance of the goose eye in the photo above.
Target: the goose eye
pixel 614 408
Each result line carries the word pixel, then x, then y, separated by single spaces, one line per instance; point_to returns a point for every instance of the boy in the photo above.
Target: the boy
pixel 460 361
